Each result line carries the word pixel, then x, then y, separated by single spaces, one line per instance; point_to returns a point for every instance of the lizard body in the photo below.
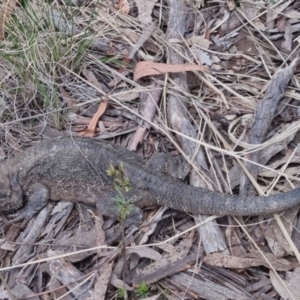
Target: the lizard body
pixel 75 169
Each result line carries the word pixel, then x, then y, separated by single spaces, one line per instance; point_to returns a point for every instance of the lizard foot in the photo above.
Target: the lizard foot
pixel 37 196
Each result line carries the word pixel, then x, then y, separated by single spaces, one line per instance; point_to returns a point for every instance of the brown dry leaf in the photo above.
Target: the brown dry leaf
pixel 274 236
pixel 103 281
pixel 67 274
pixel 174 253
pixel 289 172
pixel 147 108
pixel 209 287
pixel 128 95
pixel 147 68
pixel 152 217
pixel 145 252
pixel 123 6
pixel 76 240
pixel 288 39
pixel 294 280
pixel 220 260
pixel 8 9
pixel 292 14
pixel 139 39
pixel 233 237
pixel 90 130
pixel 285 289
pixel 289 157
pixel 145 8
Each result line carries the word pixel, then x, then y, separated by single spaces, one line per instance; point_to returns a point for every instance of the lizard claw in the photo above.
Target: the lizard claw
pixel 20 216
pixel 37 199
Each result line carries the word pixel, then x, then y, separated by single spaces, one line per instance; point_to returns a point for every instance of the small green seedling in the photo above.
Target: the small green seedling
pixel 142 290
pixel 120 293
pixel 124 205
pixel 122 186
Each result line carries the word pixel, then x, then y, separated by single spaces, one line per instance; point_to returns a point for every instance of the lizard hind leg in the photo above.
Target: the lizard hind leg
pixel 37 196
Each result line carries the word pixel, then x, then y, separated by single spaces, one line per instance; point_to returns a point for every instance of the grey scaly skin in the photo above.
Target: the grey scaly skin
pixel 75 169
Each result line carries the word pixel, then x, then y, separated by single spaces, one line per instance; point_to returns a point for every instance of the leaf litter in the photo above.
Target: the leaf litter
pixel 153 80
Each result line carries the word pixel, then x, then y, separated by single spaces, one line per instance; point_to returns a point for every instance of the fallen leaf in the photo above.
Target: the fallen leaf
pixel 274 236
pixel 283 288
pixel 127 95
pixel 147 68
pixel 226 261
pixel 173 253
pixel 90 130
pixel 292 14
pixel 288 38
pixel 145 252
pixel 102 282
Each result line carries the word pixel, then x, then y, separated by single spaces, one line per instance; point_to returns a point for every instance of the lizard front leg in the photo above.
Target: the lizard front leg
pixel 11 198
pixel 37 196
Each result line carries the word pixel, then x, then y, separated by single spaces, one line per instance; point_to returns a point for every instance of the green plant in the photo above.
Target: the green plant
pixel 122 186
pixel 39 57
pixel 120 179
pixel 124 205
pixel 142 291
pixel 120 293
